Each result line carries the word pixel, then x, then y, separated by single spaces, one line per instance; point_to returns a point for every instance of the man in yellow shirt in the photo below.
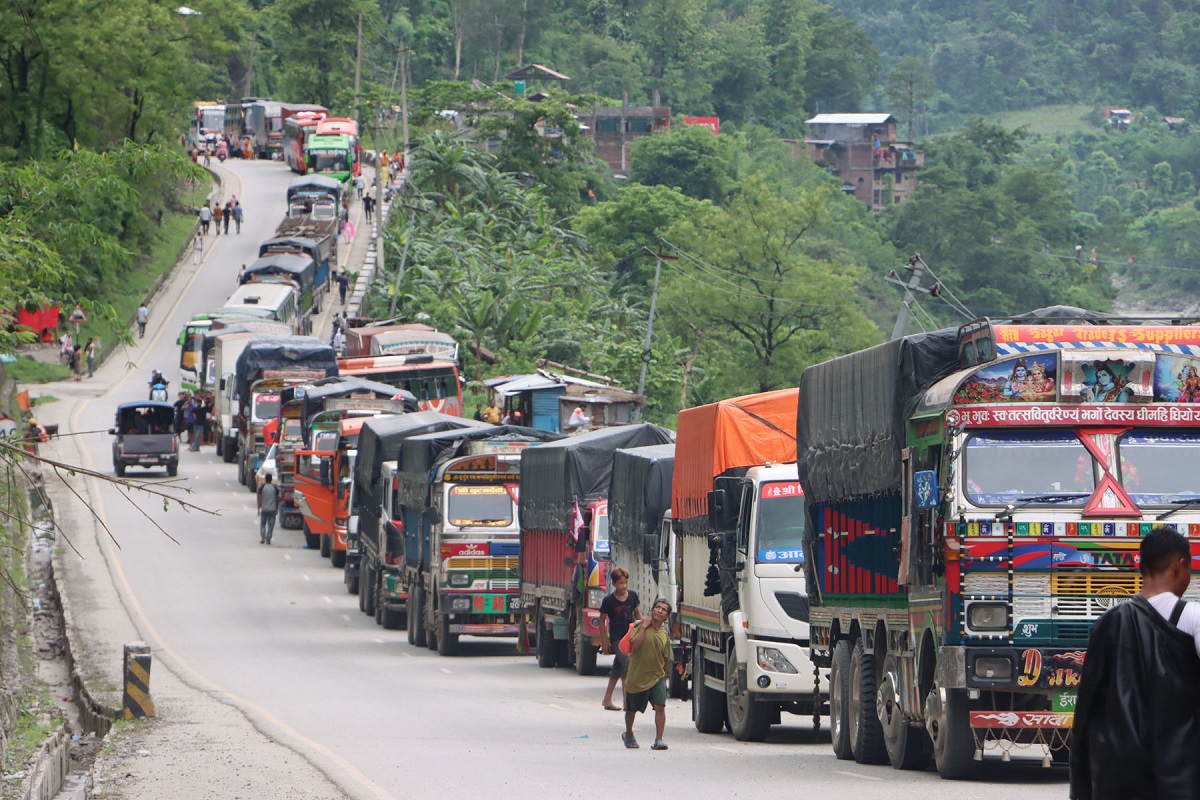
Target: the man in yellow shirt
pixel 645 682
pixel 492 414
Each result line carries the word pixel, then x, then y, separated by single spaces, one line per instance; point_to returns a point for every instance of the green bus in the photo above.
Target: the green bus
pixel 332 154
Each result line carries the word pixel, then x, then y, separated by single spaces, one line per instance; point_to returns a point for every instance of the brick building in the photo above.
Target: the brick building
pixel 863 151
pixel 615 129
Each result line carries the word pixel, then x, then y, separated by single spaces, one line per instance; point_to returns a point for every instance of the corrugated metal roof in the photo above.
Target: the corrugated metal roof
pixel 849 119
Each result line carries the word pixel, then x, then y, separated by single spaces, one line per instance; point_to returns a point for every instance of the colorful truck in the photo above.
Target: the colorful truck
pixel 976 498
pixel 738 516
pixel 448 539
pixel 564 539
pixel 309 236
pixel 640 538
pixel 379 442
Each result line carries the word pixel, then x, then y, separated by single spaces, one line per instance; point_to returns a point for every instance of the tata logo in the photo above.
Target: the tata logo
pixel 1116 558
pixel 1109 596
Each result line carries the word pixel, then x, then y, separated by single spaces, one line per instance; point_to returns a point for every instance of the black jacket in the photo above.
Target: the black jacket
pixel 1136 734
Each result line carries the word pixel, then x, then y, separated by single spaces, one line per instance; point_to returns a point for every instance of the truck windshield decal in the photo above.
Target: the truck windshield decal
pixel 1158 467
pixel 479 507
pixel 1013 466
pixel 780 525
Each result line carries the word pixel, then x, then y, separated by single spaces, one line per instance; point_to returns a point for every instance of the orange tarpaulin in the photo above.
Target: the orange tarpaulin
pixel 741 432
pixel 23 400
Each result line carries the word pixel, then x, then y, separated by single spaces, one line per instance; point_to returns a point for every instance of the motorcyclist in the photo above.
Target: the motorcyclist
pixel 158 386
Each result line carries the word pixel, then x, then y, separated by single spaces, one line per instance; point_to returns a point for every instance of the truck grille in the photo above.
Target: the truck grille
pixel 1089 595
pixel 510 585
pixel 490 563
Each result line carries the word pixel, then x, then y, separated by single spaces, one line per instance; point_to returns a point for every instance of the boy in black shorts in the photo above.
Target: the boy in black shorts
pixel 618 611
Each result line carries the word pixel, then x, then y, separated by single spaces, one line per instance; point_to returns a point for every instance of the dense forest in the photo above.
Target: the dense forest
pixel 535 250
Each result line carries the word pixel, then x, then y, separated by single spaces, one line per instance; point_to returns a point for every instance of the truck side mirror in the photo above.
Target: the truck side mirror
pixel 585 536
pixel 716 509
pixel 650 545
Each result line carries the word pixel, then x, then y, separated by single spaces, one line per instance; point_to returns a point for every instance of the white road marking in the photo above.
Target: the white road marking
pixel 858 775
pixel 447 671
pixel 305 576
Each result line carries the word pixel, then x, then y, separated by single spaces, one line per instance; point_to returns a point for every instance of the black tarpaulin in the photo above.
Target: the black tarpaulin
pixel 555 475
pixel 420 454
pixel 283 352
pixel 317 392
pixel 640 493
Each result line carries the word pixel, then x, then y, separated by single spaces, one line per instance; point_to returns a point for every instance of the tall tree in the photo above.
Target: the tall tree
pixel 908 89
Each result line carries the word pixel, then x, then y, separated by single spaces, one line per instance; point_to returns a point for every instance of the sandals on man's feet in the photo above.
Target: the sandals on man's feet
pixel 630 742
pixel 659 745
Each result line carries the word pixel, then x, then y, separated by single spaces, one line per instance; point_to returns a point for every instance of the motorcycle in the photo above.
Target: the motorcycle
pixel 222 153
pixel 158 388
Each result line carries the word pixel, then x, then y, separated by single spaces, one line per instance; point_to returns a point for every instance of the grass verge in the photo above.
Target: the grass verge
pixel 1051 120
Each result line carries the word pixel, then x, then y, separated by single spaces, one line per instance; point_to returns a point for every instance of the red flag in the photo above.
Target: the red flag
pixel 576 521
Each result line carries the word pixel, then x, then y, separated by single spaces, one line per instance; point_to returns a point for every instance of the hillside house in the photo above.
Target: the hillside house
pixel 615 129
pixel 863 151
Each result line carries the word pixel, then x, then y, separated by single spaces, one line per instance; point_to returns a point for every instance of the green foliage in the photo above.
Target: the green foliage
pixel 689 159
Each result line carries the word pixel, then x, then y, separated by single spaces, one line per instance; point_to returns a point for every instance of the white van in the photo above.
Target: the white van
pixel 275 301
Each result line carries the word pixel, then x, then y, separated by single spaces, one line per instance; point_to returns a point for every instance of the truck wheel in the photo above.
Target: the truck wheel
pixel 431 634
pixel 252 483
pixel 585 652
pixel 326 545
pixel 416 622
pixel 311 540
pixel 393 619
pixel 352 585
pixel 839 701
pixel 749 721
pixel 242 469
pixel 366 592
pixel 547 651
pixel 172 470
pixel 708 707
pixel 337 558
pixel 866 734
pixel 907 747
pixel 410 624
pixel 379 602
pixel 947 718
pixel 221 446
pixel 447 641
pixel 227 453
pixel 119 468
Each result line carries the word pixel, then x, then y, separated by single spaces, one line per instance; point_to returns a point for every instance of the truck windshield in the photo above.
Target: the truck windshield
pixel 266 406
pixel 479 507
pixel 1010 466
pixel 1158 467
pixel 780 523
pixel 600 543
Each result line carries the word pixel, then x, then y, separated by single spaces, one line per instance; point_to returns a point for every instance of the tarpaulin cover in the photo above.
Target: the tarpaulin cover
pixel 727 438
pixel 301 269
pixel 851 416
pixel 267 327
pixel 419 454
pixel 279 352
pixel 317 392
pixel 315 185
pixel 640 493
pixel 555 475
pixel 44 318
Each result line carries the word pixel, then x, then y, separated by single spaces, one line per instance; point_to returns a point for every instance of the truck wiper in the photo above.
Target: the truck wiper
pixel 1180 505
pixel 1028 500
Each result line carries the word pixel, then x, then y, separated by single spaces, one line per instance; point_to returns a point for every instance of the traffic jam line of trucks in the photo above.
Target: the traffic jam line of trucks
pixel 914 542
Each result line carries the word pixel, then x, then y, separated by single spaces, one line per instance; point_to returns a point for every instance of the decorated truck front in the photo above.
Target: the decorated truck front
pixel 977 499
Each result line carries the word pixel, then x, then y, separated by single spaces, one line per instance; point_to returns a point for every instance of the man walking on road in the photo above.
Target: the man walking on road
pixel 646 682
pixel 237 215
pixel 143 316
pixel 205 218
pixel 1137 717
pixel 268 509
pixel 368 206
pixel 343 285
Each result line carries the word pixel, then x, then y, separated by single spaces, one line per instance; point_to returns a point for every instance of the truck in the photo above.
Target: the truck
pixel 319 194
pixel 297 270
pixel 318 409
pixel 308 235
pixel 265 365
pixel 433 381
pixel 446 554
pixel 975 500
pixel 264 126
pixel 197 336
pixel 146 437
pixel 738 516
pixel 564 539
pixel 405 339
pixel 224 346
pixel 379 442
pixel 640 539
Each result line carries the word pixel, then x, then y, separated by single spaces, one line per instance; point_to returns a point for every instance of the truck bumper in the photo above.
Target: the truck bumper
pixel 486 628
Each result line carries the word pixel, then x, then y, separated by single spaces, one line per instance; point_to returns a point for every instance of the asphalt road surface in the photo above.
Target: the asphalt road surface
pixel 271 633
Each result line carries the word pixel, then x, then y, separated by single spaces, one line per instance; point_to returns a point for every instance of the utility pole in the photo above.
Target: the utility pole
pixel 404 101
pixel 250 69
pixel 659 258
pixel 912 291
pixel 357 65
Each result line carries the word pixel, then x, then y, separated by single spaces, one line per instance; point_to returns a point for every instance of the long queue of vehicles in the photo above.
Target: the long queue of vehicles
pixel 914 542
pixel 304 135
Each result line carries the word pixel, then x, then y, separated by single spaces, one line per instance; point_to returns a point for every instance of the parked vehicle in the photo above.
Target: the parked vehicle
pixel 310 235
pixel 379 442
pixel 309 194
pixel 564 533
pixel 279 302
pixel 264 126
pixel 976 499
pixel 743 601
pixel 640 538
pixel 299 123
pixel 292 269
pixel 146 438
pixel 446 554
pixel 435 383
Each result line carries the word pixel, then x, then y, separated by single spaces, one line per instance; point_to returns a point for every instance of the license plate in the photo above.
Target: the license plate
pixel 490 603
pixel 149 459
pixel 1064 702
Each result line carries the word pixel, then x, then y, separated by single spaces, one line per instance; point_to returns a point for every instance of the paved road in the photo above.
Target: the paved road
pixel 271 632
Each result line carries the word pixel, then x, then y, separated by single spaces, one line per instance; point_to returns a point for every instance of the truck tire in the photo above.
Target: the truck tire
pixel 708 707
pixel 228 454
pixel 949 724
pixel 547 651
pixel 585 651
pixel 416 621
pixel 221 446
pixel 379 604
pixel 172 469
pixel 394 619
pixel 447 641
pixel 311 540
pixel 252 483
pixel 431 634
pixel 907 747
pixel 366 592
pixel 119 468
pixel 749 720
pixel 839 701
pixel 242 468
pixel 866 734
pixel 337 558
pixel 326 545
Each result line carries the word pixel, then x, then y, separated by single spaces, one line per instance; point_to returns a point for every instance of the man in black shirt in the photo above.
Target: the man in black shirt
pixel 618 611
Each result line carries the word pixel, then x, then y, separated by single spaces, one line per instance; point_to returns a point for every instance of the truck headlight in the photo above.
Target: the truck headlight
pixel 460 604
pixel 772 659
pixel 460 580
pixel 595 598
pixel 993 669
pixel 987 616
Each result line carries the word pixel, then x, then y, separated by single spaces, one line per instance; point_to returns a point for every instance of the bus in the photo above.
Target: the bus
pixel 276 301
pixel 296 130
pixel 208 121
pixel 347 127
pixel 332 154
